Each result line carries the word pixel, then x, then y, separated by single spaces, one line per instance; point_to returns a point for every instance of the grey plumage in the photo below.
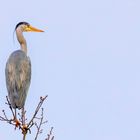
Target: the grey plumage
pixel 18 69
pixel 18 76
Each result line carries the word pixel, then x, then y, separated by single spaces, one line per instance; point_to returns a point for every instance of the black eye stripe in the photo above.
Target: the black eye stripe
pixel 22 23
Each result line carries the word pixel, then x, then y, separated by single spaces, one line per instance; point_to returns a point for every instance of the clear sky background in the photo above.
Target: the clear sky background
pixel 87 61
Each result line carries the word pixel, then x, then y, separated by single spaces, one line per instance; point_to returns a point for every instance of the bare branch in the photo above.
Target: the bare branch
pixel 9 104
pixel 21 122
pixel 39 126
pixel 50 137
pixel 36 111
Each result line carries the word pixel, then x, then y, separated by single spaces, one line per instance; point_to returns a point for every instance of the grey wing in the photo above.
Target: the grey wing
pixel 18 77
pixel 25 78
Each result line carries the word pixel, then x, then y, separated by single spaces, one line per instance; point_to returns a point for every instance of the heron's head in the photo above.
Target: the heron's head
pixel 26 27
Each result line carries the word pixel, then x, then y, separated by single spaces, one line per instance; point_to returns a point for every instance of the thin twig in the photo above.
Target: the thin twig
pixel 37 109
pixel 49 135
pixel 9 104
pixel 39 127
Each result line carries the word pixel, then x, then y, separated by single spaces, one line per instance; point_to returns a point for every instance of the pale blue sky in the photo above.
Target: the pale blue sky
pixel 87 61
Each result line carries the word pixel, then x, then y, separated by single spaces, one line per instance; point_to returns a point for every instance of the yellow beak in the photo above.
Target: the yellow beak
pixel 32 29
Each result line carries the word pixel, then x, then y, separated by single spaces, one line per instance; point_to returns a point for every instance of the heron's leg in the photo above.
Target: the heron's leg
pixel 15 115
pixel 23 116
pixel 16 120
pixel 24 126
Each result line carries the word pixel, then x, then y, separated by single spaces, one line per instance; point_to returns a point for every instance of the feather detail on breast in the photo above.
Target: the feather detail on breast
pixel 18 76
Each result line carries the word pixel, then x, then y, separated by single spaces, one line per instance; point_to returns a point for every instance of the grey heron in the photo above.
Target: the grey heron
pixel 18 69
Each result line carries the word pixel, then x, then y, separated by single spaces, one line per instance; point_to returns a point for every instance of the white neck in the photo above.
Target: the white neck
pixel 21 39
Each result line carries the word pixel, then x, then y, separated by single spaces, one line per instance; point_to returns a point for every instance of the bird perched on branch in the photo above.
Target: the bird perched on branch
pixel 18 69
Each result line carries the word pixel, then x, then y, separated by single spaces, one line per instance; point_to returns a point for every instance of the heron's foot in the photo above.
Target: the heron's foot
pixel 17 122
pixel 24 129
